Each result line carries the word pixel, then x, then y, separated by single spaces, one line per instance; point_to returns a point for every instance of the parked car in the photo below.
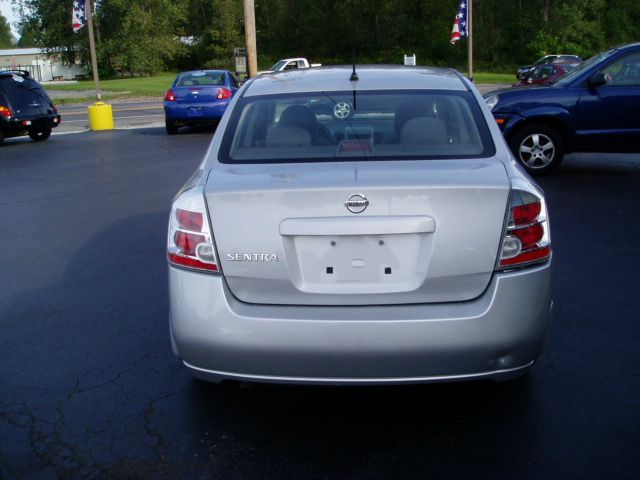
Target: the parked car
pixel 523 71
pixel 198 98
pixel 593 108
pixel 287 64
pixel 25 108
pixel 545 74
pixel 399 245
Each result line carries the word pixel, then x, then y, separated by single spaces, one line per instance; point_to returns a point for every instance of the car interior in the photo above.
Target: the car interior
pixel 385 125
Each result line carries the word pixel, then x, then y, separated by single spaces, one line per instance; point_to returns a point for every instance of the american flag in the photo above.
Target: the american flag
pixel 460 24
pixel 79 15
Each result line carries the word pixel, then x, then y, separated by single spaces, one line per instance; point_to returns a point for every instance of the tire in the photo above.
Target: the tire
pixel 1 138
pixel 40 135
pixel 538 148
pixel 171 127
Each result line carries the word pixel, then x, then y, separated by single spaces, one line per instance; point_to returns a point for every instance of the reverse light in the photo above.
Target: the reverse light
pixel 5 112
pixel 169 96
pixel 224 93
pixel 189 242
pixel 527 238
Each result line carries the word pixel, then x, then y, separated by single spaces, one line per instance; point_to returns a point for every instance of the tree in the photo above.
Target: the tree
pixel 6 37
pixel 141 37
pixel 47 24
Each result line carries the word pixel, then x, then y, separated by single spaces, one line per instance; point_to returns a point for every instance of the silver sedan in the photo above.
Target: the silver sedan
pixel 399 243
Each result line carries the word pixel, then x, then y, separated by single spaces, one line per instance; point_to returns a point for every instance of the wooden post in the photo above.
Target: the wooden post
pixel 92 48
pixel 250 36
pixel 470 37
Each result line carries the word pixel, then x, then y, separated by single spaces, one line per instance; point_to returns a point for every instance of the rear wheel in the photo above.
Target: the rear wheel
pixel 40 134
pixel 538 148
pixel 1 137
pixel 171 127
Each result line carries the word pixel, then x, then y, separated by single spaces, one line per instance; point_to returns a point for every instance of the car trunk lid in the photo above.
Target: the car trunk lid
pixel 430 230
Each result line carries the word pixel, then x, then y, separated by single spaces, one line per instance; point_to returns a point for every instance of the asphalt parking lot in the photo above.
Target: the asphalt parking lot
pixel 90 389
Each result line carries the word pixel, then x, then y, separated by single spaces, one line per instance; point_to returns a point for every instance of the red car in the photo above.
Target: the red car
pixel 546 74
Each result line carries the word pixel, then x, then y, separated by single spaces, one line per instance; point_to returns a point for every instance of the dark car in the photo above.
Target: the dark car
pixel 523 71
pixel 545 74
pixel 198 97
pixel 593 108
pixel 25 108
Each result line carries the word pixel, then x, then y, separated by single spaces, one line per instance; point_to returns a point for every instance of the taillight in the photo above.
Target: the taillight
pixel 55 109
pixel 5 112
pixel 527 238
pixel 224 93
pixel 169 96
pixel 189 242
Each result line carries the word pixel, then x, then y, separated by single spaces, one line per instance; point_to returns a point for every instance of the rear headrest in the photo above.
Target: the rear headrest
pixel 424 131
pixel 407 111
pixel 288 137
pixel 299 116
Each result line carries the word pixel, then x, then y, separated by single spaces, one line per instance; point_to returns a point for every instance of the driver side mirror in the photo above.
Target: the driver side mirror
pixel 596 80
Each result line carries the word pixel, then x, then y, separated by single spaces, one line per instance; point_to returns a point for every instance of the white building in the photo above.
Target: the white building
pixel 38 65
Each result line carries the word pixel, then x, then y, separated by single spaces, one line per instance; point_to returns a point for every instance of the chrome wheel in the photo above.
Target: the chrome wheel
pixel 537 151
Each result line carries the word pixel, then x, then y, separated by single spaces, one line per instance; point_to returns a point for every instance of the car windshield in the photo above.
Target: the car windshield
pixel 574 73
pixel 200 78
pixel 543 60
pixel 277 66
pixel 370 125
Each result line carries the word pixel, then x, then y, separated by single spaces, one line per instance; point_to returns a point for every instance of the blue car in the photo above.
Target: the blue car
pixel 593 108
pixel 198 98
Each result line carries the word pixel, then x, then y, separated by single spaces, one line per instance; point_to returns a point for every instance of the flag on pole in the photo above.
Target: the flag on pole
pixel 460 24
pixel 79 15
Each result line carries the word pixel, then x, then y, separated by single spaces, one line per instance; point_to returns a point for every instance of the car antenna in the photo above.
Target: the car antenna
pixel 354 75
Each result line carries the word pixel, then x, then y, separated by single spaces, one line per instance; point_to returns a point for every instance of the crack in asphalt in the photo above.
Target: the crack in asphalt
pixel 50 438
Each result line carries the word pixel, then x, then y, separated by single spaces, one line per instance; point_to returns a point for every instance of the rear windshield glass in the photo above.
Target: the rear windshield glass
pixel 18 83
pixel 370 125
pixel 200 78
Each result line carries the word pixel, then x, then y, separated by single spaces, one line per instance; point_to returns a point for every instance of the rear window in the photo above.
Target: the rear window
pixel 200 78
pixel 18 83
pixel 370 125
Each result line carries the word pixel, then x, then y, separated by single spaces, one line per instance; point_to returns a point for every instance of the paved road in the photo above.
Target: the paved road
pixel 89 387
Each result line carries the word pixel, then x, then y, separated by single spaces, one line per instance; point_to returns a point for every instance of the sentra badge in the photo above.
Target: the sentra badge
pixel 252 257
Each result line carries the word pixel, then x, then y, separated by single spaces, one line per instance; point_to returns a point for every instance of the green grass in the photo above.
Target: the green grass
pixel 487 77
pixel 118 88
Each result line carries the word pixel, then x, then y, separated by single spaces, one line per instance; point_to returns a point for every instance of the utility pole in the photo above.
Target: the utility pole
pixel 250 36
pixel 470 37
pixel 92 48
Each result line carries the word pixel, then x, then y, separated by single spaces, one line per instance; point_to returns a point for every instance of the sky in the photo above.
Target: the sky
pixel 7 11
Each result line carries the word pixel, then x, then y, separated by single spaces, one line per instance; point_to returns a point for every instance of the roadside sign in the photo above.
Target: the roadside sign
pixel 240 60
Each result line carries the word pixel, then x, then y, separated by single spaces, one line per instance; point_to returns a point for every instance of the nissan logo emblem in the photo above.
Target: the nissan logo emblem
pixel 357 203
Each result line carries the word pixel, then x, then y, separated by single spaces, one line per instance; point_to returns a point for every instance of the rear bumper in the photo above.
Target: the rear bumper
pixel 21 125
pixel 496 336
pixel 193 113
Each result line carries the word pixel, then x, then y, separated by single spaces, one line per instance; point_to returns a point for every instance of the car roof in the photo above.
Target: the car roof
pixel 8 73
pixel 371 77
pixel 203 71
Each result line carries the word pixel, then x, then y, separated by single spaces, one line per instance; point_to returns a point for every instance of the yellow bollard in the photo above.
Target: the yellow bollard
pixel 100 116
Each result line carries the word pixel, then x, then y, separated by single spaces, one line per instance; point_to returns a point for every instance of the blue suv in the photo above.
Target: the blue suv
pixel 593 108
